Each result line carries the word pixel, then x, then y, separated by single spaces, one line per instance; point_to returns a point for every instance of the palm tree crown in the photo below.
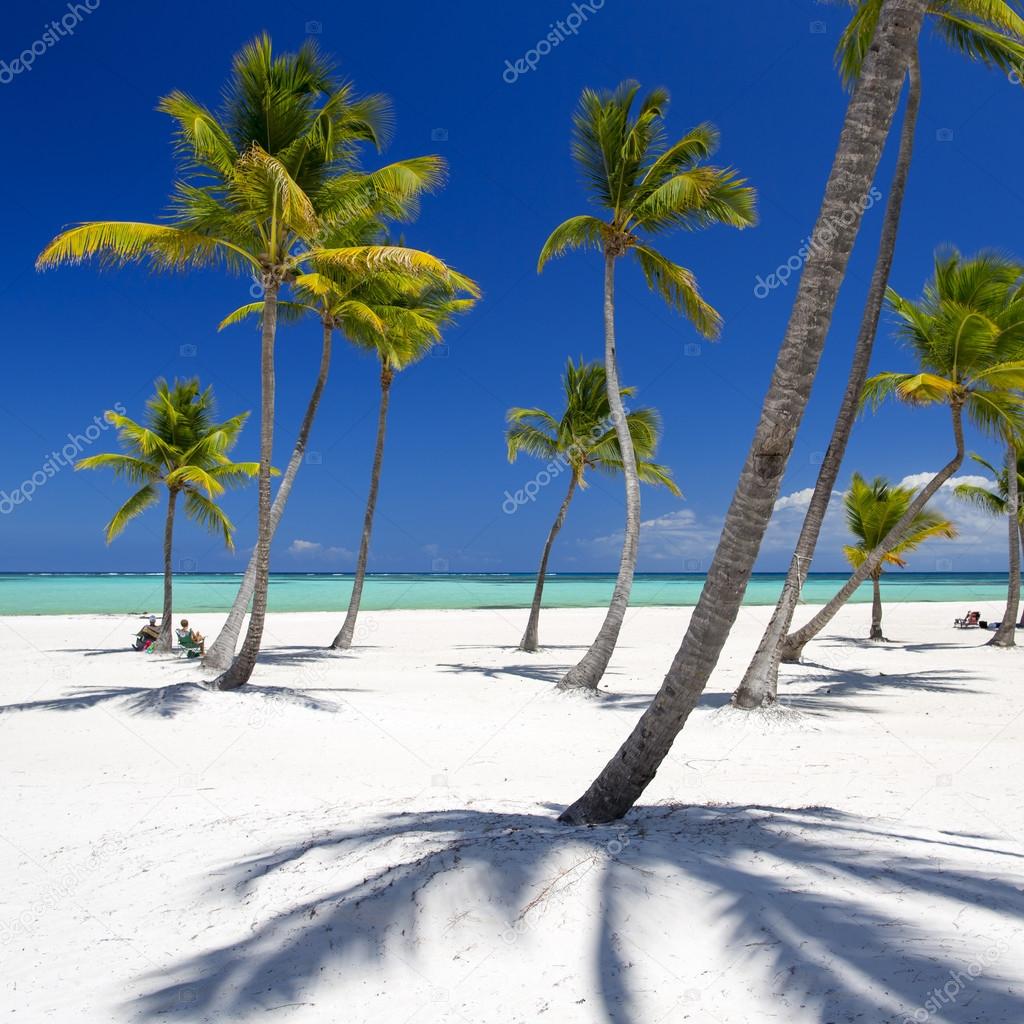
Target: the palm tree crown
pixel 874 508
pixel 182 448
pixel 989 31
pixel 995 502
pixel 584 436
pixel 645 186
pixel 967 332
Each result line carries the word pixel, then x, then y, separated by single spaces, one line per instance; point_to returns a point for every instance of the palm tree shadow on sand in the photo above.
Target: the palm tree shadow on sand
pixel 808 907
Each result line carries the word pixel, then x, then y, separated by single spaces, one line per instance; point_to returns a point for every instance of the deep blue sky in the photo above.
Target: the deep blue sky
pixel 83 142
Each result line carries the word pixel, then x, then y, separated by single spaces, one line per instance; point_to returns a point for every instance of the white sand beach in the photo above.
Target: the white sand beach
pixel 372 837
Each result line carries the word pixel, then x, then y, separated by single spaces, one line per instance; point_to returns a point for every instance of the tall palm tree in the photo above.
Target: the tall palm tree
pixel 262 182
pixel 868 117
pixel 991 32
pixel 966 333
pixel 1000 502
pixel 413 318
pixel 643 187
pixel 583 438
pixel 872 510
pixel 340 300
pixel 182 449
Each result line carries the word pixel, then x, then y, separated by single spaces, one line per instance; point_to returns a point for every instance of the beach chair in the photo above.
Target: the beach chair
pixel 972 620
pixel 187 645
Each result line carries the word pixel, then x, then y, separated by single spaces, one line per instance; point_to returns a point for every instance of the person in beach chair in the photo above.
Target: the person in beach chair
pixel 147 636
pixel 191 642
pixel 969 621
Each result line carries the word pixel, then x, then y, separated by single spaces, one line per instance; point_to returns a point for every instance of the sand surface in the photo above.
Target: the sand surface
pixel 372 836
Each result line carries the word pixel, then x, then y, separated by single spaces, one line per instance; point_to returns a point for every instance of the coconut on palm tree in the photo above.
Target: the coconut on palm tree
pixel 583 438
pixel 263 180
pixel 412 318
pixel 182 449
pixel 992 33
pixel 872 510
pixel 1000 503
pixel 341 299
pixel 643 186
pixel 966 333
pixel 865 129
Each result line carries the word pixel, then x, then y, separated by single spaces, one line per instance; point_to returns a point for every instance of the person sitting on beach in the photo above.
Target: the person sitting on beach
pixel 187 633
pixel 147 635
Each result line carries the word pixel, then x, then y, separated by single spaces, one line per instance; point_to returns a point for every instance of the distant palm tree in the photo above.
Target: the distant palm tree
pixel 865 128
pixel 182 449
pixel 643 186
pixel 412 318
pixel 989 32
pixel 872 510
pixel 967 333
pixel 998 503
pixel 263 180
pixel 345 300
pixel 583 438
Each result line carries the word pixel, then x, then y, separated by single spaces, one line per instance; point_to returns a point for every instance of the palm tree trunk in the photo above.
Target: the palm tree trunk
pixel 163 642
pixel 876 607
pixel 587 673
pixel 1006 633
pixel 1020 530
pixel 344 638
pixel 242 667
pixel 793 645
pixel 760 682
pixel 867 123
pixel 529 642
pixel 222 650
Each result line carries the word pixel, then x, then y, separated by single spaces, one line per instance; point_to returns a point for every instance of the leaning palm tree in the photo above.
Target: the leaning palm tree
pixel 988 31
pixel 643 186
pixel 262 182
pixel 865 129
pixel 412 318
pixel 583 438
pixel 345 300
pixel 872 510
pixel 1000 503
pixel 182 449
pixel 967 334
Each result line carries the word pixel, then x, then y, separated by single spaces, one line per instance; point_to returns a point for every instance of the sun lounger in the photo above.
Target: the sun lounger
pixel 972 620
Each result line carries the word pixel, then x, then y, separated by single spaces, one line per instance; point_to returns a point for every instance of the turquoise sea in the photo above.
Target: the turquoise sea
pixel 92 593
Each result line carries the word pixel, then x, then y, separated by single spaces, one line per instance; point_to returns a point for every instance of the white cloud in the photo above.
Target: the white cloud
pixel 309 548
pixel 685 536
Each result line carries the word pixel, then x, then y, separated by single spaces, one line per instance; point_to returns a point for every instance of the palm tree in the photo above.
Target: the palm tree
pixel 644 187
pixel 340 300
pixel 583 438
pixel 265 179
pixel 866 126
pixel 967 333
pixel 413 318
pixel 999 503
pixel 990 32
pixel 181 448
pixel 872 510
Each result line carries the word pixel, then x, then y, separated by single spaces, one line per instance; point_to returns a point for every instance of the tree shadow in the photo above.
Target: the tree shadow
pixel 837 685
pixel 541 673
pixel 889 644
pixel 171 700
pixel 818 898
